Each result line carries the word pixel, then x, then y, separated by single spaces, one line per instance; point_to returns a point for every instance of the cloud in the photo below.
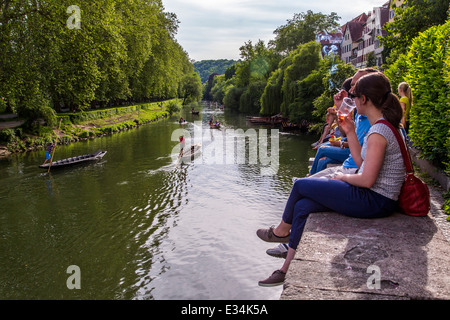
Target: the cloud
pixel 215 29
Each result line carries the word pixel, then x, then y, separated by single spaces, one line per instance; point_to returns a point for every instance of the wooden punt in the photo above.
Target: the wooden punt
pixel 190 153
pixel 75 160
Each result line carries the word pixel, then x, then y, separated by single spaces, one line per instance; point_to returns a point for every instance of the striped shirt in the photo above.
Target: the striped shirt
pixel 392 173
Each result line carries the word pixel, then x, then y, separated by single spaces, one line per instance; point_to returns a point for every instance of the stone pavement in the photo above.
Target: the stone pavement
pixel 395 258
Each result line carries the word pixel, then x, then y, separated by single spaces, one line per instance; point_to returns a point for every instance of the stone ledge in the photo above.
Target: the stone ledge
pixel 332 260
pixel 426 166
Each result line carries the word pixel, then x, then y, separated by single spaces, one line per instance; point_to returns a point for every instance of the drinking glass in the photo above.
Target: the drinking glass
pixel 346 107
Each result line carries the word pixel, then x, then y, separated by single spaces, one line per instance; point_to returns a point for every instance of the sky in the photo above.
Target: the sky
pixel 215 29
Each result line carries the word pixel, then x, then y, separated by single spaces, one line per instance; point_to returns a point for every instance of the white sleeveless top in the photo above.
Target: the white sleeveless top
pixel 392 173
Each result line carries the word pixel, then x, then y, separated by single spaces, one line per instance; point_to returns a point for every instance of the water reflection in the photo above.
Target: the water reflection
pixel 140 226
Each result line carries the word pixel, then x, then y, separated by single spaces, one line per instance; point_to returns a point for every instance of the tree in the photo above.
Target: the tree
pixel 122 50
pixel 191 88
pixel 305 59
pixel 302 28
pixel 250 100
pixel 415 17
pixel 371 59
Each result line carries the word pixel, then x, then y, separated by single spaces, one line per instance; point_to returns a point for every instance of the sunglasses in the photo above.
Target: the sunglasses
pixel 353 95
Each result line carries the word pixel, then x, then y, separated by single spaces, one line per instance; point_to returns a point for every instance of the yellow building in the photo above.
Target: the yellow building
pixel 395 4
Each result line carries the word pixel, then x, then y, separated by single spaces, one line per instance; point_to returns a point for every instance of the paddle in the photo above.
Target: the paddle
pixel 54 147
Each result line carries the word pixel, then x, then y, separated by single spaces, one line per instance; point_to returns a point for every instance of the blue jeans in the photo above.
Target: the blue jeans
pixel 332 154
pixel 310 195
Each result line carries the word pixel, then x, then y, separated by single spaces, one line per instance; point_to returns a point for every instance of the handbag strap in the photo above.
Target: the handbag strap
pixel 401 142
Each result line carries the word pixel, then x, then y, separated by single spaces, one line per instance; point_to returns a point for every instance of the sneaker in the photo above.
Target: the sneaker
pixel 276 279
pixel 315 144
pixel 268 236
pixel 279 251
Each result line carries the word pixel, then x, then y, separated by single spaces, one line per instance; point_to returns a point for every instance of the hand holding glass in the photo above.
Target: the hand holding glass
pixel 346 108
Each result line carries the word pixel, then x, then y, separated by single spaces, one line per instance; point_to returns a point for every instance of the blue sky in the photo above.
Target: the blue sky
pixel 215 29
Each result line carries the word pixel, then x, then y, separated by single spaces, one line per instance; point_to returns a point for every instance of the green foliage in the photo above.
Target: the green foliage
pixel 207 67
pixel 272 97
pixel 417 16
pixel 397 70
pixel 302 28
pixel 308 89
pixel 220 88
pixel 173 107
pixel 124 50
pixel 8 135
pixel 446 205
pixel 304 60
pixel 427 64
pixel 35 108
pixel 249 101
pixel 190 88
pixel 233 97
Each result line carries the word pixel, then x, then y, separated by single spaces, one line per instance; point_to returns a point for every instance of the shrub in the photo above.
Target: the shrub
pixel 7 135
pixel 173 107
pixel 430 113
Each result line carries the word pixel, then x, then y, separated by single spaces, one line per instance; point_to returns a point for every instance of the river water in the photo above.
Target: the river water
pixel 139 224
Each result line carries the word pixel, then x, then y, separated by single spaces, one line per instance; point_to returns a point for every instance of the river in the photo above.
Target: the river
pixel 140 225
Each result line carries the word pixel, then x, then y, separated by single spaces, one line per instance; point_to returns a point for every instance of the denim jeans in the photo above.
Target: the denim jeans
pixel 310 195
pixel 332 154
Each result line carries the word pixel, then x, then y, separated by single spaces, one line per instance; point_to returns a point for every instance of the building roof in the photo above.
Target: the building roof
pixel 355 26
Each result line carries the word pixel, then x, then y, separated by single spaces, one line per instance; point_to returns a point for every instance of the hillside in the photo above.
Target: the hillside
pixel 206 67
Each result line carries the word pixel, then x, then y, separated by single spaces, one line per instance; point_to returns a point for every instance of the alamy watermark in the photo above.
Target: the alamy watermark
pixel 374 281
pixel 74 280
pixel 229 146
pixel 74 21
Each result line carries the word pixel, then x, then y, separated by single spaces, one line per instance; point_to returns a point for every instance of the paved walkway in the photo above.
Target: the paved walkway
pixel 10 124
pixel 399 257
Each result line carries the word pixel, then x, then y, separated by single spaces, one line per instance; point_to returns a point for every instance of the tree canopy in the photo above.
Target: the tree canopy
pixel 302 28
pixel 410 19
pixel 55 55
pixel 285 76
pixel 207 67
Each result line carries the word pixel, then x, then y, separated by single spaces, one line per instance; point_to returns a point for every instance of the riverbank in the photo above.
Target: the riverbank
pixel 73 127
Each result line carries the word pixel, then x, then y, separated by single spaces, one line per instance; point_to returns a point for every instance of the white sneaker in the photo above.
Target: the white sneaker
pixel 279 251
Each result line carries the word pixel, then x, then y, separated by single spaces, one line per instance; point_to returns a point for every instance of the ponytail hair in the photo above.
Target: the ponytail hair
pixel 376 87
pixel 407 90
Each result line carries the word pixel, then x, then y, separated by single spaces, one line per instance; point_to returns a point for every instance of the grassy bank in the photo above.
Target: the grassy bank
pixel 73 127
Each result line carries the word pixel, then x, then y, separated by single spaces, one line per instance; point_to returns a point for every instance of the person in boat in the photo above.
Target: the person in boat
pixel 370 193
pixel 181 120
pixel 182 144
pixel 48 152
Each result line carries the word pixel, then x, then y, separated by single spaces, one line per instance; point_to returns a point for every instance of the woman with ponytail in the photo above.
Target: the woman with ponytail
pixel 370 193
pixel 406 100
